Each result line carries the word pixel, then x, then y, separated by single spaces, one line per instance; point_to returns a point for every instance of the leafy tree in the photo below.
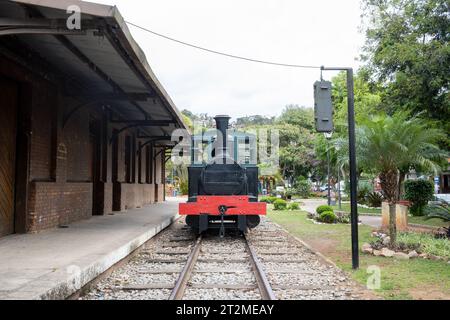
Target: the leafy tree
pixel 367 98
pixel 254 121
pixel 297 157
pixel 302 187
pixel 297 116
pixel 408 54
pixel 188 121
pixel 296 127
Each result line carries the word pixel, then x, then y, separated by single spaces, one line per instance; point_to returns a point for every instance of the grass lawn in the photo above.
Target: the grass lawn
pixel 361 210
pixel 431 222
pixel 412 279
pixel 411 219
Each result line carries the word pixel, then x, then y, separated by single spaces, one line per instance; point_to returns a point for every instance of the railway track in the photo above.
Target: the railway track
pixel 188 278
pixel 267 264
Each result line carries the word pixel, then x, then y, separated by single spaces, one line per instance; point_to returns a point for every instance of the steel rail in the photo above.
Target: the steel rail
pixel 181 283
pixel 263 283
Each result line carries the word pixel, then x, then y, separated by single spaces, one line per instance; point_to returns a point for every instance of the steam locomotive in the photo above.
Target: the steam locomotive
pixel 223 185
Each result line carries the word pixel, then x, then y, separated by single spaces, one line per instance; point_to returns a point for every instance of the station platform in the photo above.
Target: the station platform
pixel 55 264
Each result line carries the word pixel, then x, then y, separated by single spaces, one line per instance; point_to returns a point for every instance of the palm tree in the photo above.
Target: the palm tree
pixel 390 146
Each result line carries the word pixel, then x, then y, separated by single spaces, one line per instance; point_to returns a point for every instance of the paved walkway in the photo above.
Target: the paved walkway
pixel 54 264
pixel 310 205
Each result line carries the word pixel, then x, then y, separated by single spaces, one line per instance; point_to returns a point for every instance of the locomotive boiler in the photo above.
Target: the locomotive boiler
pixel 223 181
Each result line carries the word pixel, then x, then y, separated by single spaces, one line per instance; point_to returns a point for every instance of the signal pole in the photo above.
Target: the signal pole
pixel 352 158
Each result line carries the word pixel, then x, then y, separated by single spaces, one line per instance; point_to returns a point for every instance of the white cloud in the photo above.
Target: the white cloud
pixel 289 31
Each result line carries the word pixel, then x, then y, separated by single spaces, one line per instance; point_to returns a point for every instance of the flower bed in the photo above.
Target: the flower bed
pixel 409 246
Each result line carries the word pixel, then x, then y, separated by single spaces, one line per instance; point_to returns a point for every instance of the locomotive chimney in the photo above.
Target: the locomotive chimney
pixel 222 123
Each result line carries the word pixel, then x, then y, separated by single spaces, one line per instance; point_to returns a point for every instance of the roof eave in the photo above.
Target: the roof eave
pixel 114 18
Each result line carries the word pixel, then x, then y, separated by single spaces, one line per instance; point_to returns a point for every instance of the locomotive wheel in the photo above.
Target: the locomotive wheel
pixel 253 221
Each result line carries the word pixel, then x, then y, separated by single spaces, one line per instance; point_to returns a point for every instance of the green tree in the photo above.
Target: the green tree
pixel 367 98
pixel 297 116
pixel 389 143
pixel 407 52
pixel 254 120
pixel 296 128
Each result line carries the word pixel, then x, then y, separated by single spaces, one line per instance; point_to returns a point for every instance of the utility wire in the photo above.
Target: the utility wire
pixel 222 53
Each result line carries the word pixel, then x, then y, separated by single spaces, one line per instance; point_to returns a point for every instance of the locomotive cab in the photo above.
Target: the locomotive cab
pixel 223 181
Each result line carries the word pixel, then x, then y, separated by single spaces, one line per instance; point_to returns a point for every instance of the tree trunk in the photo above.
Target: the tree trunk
pixel 393 223
pixel 401 179
pixel 389 183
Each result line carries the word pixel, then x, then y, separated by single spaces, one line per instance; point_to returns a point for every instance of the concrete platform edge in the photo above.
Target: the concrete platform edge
pixel 60 286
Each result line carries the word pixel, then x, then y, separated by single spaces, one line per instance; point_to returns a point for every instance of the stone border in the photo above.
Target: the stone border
pixel 384 251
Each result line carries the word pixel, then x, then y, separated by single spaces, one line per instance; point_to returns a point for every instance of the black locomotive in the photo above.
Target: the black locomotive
pixel 223 186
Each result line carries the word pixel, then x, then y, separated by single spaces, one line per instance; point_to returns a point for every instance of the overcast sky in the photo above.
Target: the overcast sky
pixel 303 32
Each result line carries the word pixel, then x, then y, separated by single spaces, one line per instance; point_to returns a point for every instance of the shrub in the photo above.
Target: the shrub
pixel 427 242
pixel 322 209
pixel 342 217
pixel 302 188
pixel 374 199
pixel 184 188
pixel 264 199
pixel 441 211
pixel 364 189
pixel 328 217
pixel 268 199
pixel 289 193
pixel 280 204
pixel 419 192
pixel 294 206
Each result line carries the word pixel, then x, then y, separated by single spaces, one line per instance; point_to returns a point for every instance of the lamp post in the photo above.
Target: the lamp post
pixel 328 136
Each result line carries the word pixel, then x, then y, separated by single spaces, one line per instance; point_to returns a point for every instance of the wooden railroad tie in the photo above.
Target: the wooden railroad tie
pixel 223 286
pixel 218 270
pixel 165 271
pixel 176 245
pixel 223 260
pixel 283 260
pixel 166 261
pixel 302 288
pixel 173 253
pixel 146 286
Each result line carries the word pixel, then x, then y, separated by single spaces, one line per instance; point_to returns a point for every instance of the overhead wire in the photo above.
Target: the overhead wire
pixel 279 64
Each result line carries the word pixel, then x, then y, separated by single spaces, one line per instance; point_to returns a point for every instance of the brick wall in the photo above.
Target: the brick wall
pixel 43 109
pixel 54 204
pixel 76 139
pixel 60 180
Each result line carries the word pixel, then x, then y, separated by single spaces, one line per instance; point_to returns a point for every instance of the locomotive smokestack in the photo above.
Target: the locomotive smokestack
pixel 222 123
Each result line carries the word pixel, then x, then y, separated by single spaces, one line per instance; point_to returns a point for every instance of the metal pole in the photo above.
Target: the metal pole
pixel 353 177
pixel 352 158
pixel 328 173
pixel 339 188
